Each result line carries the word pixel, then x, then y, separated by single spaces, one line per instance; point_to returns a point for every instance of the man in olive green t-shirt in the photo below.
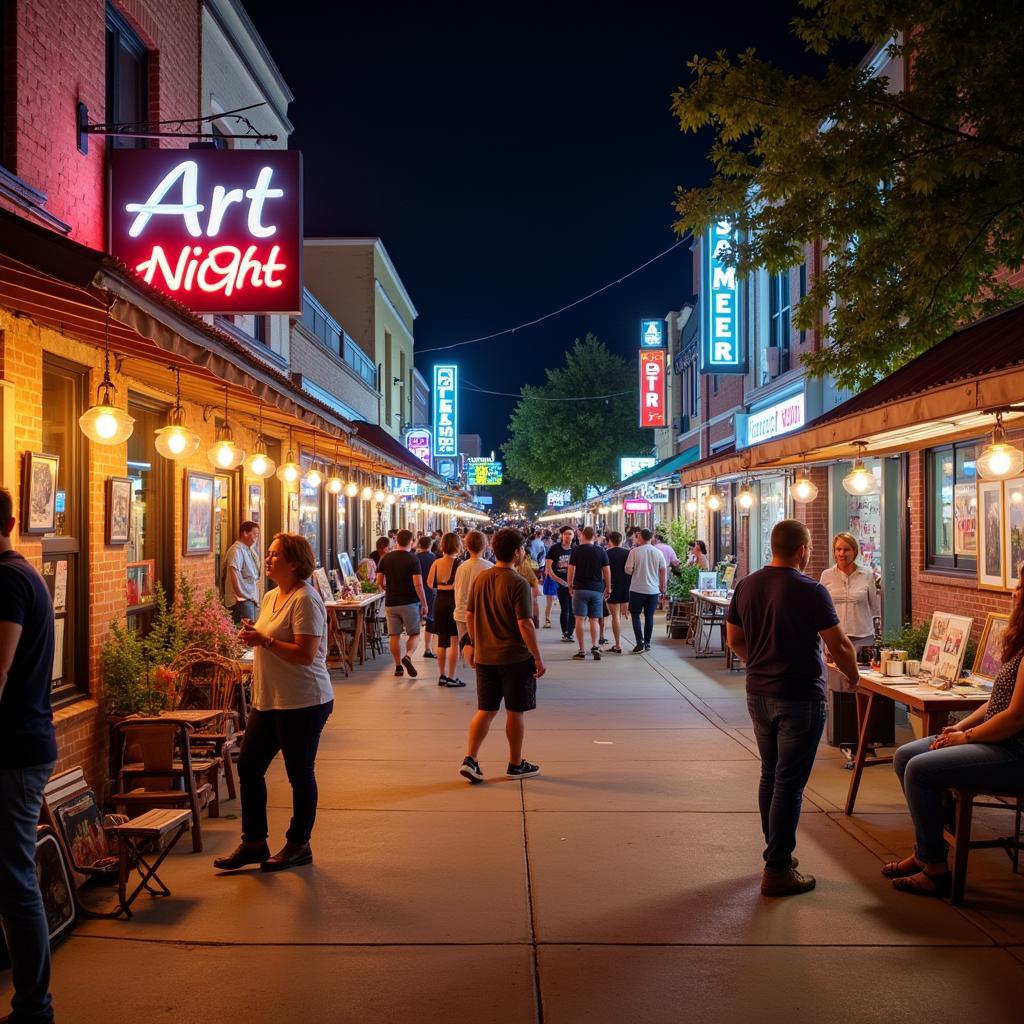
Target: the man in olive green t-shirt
pixel 501 644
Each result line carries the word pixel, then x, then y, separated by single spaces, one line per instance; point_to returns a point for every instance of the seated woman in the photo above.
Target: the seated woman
pixel 985 749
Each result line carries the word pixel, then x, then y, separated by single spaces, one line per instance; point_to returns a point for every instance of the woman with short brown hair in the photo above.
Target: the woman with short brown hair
pixel 292 699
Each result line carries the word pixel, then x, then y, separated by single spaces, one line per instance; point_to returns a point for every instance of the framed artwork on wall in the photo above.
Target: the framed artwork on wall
pixel 119 505
pixel 989 658
pixel 198 532
pixel 39 493
pixel 991 570
pixel 1013 541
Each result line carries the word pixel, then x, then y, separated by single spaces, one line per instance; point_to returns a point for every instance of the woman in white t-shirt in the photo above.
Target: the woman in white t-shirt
pixel 291 701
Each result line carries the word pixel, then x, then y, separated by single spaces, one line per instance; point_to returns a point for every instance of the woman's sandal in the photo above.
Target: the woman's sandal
pixel 937 885
pixel 615 650
pixel 901 868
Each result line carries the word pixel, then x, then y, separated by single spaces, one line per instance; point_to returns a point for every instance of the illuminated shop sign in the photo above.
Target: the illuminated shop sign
pixel 633 464
pixel 220 230
pixel 448 468
pixel 418 443
pixel 483 472
pixel 446 411
pixel 559 499
pixel 652 333
pixel 636 505
pixel 652 388
pixel 721 344
pixel 403 488
pixel 774 421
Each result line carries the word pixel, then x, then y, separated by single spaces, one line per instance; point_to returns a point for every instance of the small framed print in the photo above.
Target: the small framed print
pixel 991 570
pixel 255 501
pixel 1013 540
pixel 39 493
pixel 198 532
pixel 119 508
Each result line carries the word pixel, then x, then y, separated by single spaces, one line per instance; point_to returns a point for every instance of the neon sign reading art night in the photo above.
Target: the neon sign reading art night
pixel 221 231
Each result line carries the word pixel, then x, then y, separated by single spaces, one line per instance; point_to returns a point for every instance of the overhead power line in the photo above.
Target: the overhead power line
pixel 556 312
pixel 540 398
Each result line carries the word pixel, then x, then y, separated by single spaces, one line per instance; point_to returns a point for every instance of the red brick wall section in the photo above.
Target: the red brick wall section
pixel 815 516
pixel 932 591
pixel 61 61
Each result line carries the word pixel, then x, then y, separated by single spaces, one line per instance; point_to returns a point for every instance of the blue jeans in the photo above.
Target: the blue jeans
pixel 243 610
pixel 787 732
pixel 924 774
pixel 566 619
pixel 21 904
pixel 588 604
pixel 648 604
pixel 295 733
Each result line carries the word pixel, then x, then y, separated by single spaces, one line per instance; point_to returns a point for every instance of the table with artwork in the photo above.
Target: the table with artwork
pixel 358 608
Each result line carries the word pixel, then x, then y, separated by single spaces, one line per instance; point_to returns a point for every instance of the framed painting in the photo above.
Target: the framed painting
pixel 1013 541
pixel 323 584
pixel 946 646
pixel 989 658
pixel 991 570
pixel 198 532
pixel 345 564
pixel 39 493
pixel 117 527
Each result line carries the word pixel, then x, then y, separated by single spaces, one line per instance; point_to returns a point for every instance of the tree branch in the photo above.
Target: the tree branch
pixel 995 143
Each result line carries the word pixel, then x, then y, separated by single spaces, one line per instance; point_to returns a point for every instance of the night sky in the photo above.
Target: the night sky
pixel 512 160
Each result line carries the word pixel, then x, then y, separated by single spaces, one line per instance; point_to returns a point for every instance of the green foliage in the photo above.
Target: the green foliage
pixel 679 535
pixel 570 444
pixel 914 190
pixel 680 585
pixel 128 684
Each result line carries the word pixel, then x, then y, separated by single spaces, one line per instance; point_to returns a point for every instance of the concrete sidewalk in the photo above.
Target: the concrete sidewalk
pixel 620 886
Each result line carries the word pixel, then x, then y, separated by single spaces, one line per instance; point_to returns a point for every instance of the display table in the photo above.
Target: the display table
pixel 359 608
pixel 710 607
pixel 932 705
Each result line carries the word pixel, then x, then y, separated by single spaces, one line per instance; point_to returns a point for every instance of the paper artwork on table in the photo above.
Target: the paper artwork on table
pixel 946 646
pixel 323 584
pixel 707 581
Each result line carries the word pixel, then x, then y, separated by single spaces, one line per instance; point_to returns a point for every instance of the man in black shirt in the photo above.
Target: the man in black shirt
pixel 589 579
pixel 426 558
pixel 618 600
pixel 556 568
pixel 28 752
pixel 400 576
pixel 773 623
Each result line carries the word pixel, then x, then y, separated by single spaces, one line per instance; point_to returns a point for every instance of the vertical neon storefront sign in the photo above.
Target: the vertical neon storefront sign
pixel 652 388
pixel 721 340
pixel 446 411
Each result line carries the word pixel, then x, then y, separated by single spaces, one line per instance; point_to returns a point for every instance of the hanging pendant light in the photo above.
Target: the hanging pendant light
pixel 367 493
pixel 351 489
pixel 999 458
pixel 803 489
pixel 260 465
pixel 714 502
pixel 745 498
pixel 378 496
pixel 225 454
pixel 104 422
pixel 313 478
pixel 860 480
pixel 176 441
pixel 389 499
pixel 334 481
pixel 691 506
pixel 290 472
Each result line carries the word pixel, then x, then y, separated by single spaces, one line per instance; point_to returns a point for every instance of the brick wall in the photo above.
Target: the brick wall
pixel 814 515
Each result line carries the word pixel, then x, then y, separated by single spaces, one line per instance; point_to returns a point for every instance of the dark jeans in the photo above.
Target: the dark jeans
pixel 565 617
pixel 648 604
pixel 295 733
pixel 787 733
pixel 243 610
pixel 925 775
pixel 21 905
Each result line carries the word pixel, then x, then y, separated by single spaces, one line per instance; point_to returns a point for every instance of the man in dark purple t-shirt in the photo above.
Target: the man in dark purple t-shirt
pixel 774 621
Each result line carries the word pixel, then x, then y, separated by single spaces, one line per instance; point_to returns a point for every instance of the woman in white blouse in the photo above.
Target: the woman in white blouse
pixel 292 698
pixel 853 592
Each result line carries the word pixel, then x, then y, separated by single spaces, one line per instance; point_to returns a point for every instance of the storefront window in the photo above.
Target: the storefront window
pixel 224 531
pixel 773 510
pixel 147 521
pixel 309 516
pixel 340 527
pixel 951 495
pixel 723 525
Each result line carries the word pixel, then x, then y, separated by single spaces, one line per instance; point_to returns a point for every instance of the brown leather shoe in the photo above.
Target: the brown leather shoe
pixel 243 853
pixel 291 855
pixel 785 883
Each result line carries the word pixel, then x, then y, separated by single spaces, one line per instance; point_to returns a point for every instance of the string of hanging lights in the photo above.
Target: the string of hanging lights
pixel 176 440
pixel 104 422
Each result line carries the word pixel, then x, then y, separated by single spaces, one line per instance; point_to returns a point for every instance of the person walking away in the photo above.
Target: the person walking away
pixel 426 558
pixel 502 646
pixel 292 698
pixel 527 568
pixel 380 549
pixel 589 583
pixel 242 574
pixel 648 580
pixel 442 579
pixel 537 548
pixel 774 623
pixel 469 569
pixel 983 751
pixel 618 600
pixel 28 753
pixel 556 568
pixel 488 553
pixel 398 574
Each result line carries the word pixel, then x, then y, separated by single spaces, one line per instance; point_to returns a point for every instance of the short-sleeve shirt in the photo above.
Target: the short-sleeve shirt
pixel 781 612
pixel 588 561
pixel 399 568
pixel 560 560
pixel 242 558
pixel 617 563
pixel 26 720
pixel 498 600
pixel 465 577
pixel 426 560
pixel 279 685
pixel 671 558
pixel 644 564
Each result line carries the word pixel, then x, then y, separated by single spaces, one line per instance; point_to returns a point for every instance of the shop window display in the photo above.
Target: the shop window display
pixel 773 510
pixel 951 494
pixel 864 516
pixel 309 516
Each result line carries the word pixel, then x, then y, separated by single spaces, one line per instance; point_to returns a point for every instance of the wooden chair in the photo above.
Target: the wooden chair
pixel 156 770
pixel 109 849
pixel 680 613
pixel 959 837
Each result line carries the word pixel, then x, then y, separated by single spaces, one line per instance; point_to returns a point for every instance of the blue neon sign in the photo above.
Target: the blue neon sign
pixel 721 339
pixel 446 411
pixel 652 333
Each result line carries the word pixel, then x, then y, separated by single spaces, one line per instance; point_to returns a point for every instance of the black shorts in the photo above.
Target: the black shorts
pixel 515 683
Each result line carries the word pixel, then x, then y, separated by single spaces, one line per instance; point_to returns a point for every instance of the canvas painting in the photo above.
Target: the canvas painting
pixel 39 493
pixel 990 535
pixel 946 645
pixel 198 513
pixel 989 659
pixel 1013 509
pixel 119 505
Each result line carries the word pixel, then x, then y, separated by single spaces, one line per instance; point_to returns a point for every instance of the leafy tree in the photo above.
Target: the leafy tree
pixel 916 190
pixel 562 438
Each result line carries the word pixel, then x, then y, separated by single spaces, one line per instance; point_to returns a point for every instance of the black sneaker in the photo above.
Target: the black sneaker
pixel 399 671
pixel 454 681
pixel 639 649
pixel 597 654
pixel 604 642
pixel 409 666
pixel 471 770
pixel 579 656
pixel 430 654
pixel 523 770
pixel 647 647
pixel 566 639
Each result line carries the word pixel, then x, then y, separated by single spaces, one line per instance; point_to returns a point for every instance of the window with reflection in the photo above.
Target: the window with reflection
pixel 310 514
pixel 951 507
